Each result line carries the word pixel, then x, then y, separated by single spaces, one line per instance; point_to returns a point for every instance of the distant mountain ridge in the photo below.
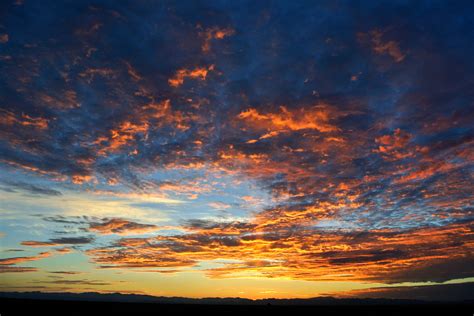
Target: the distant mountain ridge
pixel 141 298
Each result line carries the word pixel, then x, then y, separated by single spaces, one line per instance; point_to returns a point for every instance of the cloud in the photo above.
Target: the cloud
pixel 67 219
pixel 13 269
pixel 120 227
pixel 437 292
pixel 32 243
pixel 395 146
pixel 31 188
pixel 379 46
pixel 23 120
pixel 54 242
pixel 219 205
pixel 72 240
pixel 316 118
pixel 16 260
pixel 310 254
pixel 64 250
pixel 196 73
pixel 214 33
pixel 65 272
pixel 103 226
pixel 78 282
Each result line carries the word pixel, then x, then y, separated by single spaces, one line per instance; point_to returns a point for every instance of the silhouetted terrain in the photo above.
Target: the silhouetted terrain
pixel 448 293
pixel 15 303
pixel 137 298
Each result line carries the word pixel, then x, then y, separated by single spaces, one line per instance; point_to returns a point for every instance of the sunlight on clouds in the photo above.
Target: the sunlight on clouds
pixel 97 204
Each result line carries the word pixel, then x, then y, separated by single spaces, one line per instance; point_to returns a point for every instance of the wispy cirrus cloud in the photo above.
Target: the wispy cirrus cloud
pixel 8 265
pixel 53 242
pixel 29 188
pixel 120 227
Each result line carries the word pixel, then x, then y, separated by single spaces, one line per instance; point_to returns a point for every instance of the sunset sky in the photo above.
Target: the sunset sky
pixel 236 148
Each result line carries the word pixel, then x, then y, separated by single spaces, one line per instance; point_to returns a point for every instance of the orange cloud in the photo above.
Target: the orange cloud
pixel 382 256
pixel 80 179
pixel 13 269
pixel 150 116
pixel 381 47
pixel 121 227
pixel 90 73
pixel 124 134
pixel 398 140
pixel 132 72
pixel 196 73
pixel 65 101
pixel 316 118
pixel 214 33
pixel 191 189
pixel 9 118
pixel 64 250
pixel 219 205
pixel 424 172
pixel 30 167
pixel 16 260
pixel 395 146
pixel 32 243
pixel 7 265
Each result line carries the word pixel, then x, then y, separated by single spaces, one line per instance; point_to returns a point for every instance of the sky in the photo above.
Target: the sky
pixel 236 148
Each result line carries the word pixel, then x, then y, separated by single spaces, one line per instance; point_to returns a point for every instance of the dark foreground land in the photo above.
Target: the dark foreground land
pixel 37 303
pixel 55 307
